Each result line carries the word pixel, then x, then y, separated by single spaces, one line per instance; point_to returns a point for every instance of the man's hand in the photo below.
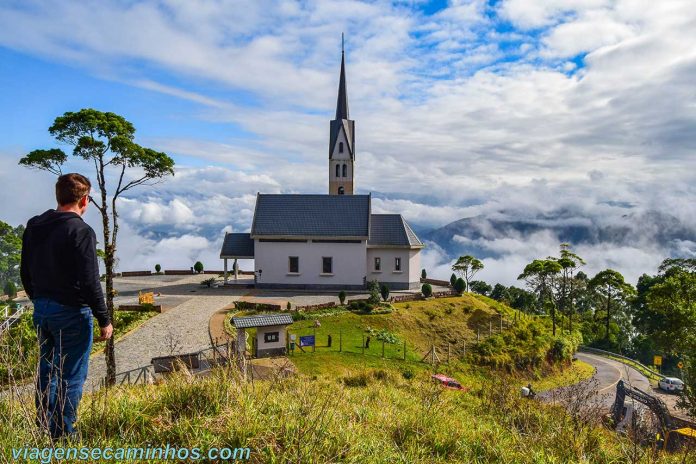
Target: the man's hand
pixel 105 332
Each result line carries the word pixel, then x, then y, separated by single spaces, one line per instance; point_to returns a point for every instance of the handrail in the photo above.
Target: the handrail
pixel 622 359
pixel 10 321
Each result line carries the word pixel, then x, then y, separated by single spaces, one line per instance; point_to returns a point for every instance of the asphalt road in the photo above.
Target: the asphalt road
pixel 608 374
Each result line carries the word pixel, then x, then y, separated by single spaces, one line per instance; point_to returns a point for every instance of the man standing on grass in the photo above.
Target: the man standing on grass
pixel 60 274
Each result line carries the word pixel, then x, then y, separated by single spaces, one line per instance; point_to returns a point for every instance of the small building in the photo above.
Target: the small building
pixel 271 334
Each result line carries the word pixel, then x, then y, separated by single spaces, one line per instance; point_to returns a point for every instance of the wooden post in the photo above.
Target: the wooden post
pixel 449 351
pixel 501 322
pixel 432 355
pixel 363 344
pixel 490 327
pixel 382 348
pixel 478 334
pixel 404 350
pixel 314 345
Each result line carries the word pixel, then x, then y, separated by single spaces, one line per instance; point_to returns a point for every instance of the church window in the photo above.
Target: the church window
pixel 338 170
pixel 294 264
pixel 378 264
pixel 345 171
pixel 341 190
pixel 340 147
pixel 327 265
pixel 397 264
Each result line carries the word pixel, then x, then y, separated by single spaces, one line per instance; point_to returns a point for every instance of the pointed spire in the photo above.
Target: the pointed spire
pixel 342 103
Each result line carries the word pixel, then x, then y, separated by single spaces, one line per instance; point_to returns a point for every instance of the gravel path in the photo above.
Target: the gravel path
pixel 182 329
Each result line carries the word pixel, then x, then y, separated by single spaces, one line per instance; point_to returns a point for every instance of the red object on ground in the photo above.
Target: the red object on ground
pixel 449 382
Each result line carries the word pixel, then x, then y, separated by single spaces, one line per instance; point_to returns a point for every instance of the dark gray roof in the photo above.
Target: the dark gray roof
pixel 289 215
pixel 237 246
pixel 392 230
pixel 261 320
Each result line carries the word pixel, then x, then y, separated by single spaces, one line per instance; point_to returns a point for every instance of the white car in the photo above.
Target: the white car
pixel 671 384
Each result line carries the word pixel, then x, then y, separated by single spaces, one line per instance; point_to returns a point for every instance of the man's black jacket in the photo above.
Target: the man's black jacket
pixel 59 261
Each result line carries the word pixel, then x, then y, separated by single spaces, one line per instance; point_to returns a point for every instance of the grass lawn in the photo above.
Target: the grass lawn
pixel 577 372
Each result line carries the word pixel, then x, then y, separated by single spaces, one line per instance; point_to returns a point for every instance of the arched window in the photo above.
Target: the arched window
pixel 340 147
pixel 345 171
pixel 341 190
pixel 338 170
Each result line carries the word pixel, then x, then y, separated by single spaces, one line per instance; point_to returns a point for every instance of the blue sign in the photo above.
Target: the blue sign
pixel 307 340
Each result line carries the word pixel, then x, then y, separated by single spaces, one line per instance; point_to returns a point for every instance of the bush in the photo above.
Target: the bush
pixel 198 267
pixel 459 285
pixel 208 282
pixel 373 290
pixel 408 373
pixel 424 275
pixel 158 268
pixel 427 290
pixel 360 306
pixel 384 291
pixel 453 279
pixel 10 289
pixel 288 306
pixel 342 296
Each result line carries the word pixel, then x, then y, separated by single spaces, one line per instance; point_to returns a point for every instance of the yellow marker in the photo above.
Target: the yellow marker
pixel 680 365
pixel 657 360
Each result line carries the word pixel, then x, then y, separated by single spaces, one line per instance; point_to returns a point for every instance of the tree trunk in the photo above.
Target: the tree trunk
pixel 109 354
pixel 606 336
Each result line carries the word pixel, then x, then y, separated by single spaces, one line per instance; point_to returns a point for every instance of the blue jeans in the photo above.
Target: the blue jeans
pixel 65 342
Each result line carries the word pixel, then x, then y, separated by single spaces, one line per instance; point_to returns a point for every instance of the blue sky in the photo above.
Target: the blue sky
pixel 462 108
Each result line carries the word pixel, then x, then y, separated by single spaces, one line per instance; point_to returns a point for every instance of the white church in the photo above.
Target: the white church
pixel 332 241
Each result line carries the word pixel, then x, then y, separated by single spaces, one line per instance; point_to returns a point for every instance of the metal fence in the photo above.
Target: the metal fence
pixel 11 319
pixel 205 359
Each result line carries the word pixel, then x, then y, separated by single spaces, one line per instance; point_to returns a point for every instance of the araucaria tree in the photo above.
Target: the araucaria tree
pixel 539 276
pixel 565 284
pixel 610 286
pixel 106 142
pixel 467 267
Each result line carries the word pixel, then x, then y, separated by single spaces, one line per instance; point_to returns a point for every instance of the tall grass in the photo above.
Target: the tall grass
pixel 369 416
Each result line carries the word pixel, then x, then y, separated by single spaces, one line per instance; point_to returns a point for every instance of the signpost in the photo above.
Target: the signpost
pixel 307 340
pixel 657 362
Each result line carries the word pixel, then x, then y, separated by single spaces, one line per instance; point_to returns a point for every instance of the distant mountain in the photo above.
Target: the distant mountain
pixel 488 236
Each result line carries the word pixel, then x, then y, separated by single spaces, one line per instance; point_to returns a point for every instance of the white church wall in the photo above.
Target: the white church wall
pixel 388 275
pixel 272 258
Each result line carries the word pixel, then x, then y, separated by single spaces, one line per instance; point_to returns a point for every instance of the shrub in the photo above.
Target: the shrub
pixel 424 275
pixel 342 296
pixel 158 268
pixel 453 279
pixel 360 306
pixel 198 267
pixel 288 306
pixel 459 285
pixel 384 291
pixel 373 289
pixel 208 282
pixel 408 373
pixel 10 289
pixel 427 290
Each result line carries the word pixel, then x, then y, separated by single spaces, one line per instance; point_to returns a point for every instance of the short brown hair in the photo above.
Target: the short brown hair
pixel 71 187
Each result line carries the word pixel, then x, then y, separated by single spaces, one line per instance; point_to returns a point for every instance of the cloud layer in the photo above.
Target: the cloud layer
pixel 519 106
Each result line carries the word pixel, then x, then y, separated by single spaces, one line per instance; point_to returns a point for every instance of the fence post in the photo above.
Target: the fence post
pixel 404 350
pixel 432 354
pixel 382 348
pixel 449 350
pixel 314 345
pixel 490 327
pixel 501 322
pixel 363 344
pixel 478 334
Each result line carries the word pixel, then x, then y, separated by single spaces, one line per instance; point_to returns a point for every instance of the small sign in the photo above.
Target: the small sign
pixel 307 340
pixel 293 337
pixel 680 365
pixel 657 360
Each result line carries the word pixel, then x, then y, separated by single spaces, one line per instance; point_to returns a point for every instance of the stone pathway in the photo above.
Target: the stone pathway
pixel 182 329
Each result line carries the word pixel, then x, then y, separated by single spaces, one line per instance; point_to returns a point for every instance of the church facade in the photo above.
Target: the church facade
pixel 334 241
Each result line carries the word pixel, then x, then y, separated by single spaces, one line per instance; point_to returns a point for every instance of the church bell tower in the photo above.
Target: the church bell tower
pixel 342 140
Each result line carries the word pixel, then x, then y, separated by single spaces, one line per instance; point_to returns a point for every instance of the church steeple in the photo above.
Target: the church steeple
pixel 341 140
pixel 342 103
